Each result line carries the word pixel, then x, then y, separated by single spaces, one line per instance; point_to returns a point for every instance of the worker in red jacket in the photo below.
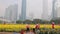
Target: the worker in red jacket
pixel 27 27
pixel 37 26
pixel 22 31
pixel 53 25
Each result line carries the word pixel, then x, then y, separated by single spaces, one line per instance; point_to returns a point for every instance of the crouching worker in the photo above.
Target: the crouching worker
pixel 37 28
pixel 27 27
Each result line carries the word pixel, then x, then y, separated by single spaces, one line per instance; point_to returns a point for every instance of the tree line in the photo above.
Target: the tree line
pixel 56 21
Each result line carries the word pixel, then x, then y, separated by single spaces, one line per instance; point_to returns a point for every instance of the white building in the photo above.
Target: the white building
pixel 45 10
pixel 11 12
pixel 3 20
pixel 58 12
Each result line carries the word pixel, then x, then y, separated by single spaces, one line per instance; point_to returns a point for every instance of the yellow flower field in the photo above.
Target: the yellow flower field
pixel 17 27
pixel 24 26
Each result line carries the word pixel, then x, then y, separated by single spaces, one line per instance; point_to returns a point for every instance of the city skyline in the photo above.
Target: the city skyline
pixel 33 6
pixel 11 12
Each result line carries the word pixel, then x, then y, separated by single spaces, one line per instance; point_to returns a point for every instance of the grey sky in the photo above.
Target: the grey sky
pixel 33 6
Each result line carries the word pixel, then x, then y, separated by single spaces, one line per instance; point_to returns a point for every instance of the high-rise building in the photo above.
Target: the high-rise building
pixel 11 12
pixel 54 12
pixel 23 11
pixel 58 12
pixel 45 10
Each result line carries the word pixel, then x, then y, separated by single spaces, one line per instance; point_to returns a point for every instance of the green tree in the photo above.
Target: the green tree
pixel 36 21
pixel 28 22
pixel 0 21
pixel 18 21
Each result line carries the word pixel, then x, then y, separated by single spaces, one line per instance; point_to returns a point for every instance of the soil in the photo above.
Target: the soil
pixel 8 33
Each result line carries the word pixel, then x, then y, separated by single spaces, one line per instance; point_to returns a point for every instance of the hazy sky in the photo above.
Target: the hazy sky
pixel 33 7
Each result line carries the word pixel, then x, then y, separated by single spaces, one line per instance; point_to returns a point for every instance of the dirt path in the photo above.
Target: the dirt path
pixel 8 33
